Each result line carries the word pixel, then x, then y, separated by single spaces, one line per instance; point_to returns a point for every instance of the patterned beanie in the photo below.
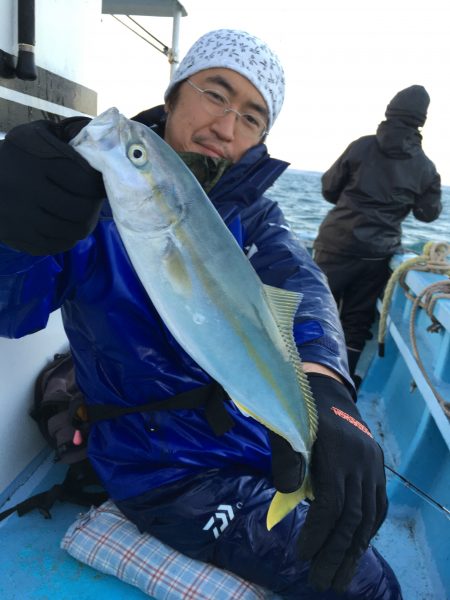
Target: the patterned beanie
pixel 243 53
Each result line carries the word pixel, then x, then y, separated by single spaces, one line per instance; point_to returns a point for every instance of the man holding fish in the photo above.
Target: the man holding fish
pixel 211 334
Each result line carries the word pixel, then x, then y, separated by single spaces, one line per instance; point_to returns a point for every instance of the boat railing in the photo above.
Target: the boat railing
pixel 423 339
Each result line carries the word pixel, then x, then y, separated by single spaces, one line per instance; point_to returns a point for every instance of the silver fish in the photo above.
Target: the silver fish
pixel 203 286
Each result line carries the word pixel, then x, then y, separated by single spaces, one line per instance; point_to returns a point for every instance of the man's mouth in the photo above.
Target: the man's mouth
pixel 210 149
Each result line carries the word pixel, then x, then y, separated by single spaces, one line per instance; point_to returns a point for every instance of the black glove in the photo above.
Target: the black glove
pixel 49 195
pixel 349 483
pixel 288 467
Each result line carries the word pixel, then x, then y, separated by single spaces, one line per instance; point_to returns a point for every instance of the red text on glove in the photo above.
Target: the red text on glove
pixel 350 419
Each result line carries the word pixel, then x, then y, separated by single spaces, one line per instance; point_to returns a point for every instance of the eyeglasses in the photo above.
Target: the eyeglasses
pixel 216 104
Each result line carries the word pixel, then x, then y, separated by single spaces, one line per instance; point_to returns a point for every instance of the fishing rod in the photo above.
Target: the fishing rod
pixel 416 490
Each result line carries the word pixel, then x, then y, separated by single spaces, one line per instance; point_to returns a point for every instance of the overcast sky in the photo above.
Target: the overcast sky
pixel 344 60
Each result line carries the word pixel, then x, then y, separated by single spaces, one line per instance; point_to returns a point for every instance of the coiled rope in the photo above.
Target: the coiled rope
pixel 433 259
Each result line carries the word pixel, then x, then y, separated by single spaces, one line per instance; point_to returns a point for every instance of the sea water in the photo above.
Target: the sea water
pixel 299 196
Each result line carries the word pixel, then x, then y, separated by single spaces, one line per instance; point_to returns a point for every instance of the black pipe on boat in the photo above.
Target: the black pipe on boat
pixel 26 67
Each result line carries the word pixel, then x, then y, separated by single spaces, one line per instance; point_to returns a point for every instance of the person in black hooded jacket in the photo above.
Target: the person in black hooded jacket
pixel 374 185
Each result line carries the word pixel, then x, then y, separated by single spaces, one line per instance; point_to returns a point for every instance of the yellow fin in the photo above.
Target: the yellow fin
pixel 282 504
pixel 284 305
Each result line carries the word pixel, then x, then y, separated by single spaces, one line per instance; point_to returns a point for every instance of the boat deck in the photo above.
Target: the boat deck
pixel 35 567
pixel 33 564
pixel 403 539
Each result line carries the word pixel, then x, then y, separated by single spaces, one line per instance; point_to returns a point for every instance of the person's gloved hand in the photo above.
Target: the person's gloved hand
pixel 50 198
pixel 288 467
pixel 349 483
pixel 348 479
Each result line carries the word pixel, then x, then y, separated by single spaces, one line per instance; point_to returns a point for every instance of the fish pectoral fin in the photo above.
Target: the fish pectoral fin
pixel 176 269
pixel 282 504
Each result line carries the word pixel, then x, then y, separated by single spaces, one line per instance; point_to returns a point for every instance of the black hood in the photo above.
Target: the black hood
pixel 410 106
pixel 398 140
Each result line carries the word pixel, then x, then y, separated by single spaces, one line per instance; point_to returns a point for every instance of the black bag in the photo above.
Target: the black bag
pixel 59 410
pixel 61 416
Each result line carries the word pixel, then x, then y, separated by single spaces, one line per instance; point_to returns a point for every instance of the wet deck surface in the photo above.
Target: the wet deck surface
pixel 402 539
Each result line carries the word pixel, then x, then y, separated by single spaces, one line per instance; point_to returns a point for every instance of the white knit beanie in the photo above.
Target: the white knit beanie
pixel 243 53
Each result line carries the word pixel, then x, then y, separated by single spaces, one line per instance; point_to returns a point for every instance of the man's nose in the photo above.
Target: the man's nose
pixel 225 125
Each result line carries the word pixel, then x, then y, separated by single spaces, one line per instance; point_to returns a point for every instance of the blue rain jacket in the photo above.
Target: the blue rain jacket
pixel 125 355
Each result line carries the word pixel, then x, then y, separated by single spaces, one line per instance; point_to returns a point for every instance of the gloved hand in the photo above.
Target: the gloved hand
pixel 348 479
pixel 349 483
pixel 288 467
pixel 49 195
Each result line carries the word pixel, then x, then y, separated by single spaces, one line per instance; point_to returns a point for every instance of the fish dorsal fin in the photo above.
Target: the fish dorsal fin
pixel 284 305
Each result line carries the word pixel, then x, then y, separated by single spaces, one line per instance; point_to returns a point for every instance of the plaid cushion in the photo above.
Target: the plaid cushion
pixel 105 540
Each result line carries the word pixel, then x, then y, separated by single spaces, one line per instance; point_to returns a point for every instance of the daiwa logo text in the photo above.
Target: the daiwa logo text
pixel 221 519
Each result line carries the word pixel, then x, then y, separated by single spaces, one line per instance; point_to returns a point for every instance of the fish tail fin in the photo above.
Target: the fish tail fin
pixel 282 504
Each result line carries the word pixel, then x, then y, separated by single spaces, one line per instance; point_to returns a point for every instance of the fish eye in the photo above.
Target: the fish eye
pixel 137 154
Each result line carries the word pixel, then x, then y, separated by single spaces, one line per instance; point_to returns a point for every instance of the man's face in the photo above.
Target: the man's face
pixel 191 127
